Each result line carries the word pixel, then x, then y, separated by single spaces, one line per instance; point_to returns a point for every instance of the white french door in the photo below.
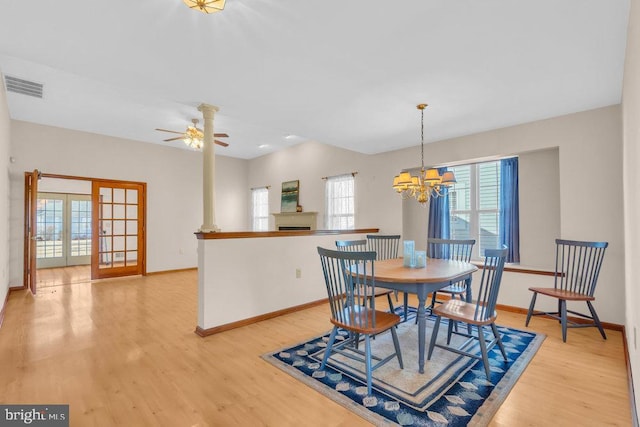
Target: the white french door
pixel 63 230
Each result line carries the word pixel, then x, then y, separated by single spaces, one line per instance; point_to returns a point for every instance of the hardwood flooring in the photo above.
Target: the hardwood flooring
pixel 124 352
pixel 48 277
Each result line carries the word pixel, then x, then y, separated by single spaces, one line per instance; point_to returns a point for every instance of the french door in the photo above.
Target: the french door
pixel 118 239
pixel 63 230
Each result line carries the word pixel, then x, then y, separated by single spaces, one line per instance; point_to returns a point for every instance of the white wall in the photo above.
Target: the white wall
pixel 588 144
pixel 631 134
pixel 260 272
pixel 174 187
pixel 5 136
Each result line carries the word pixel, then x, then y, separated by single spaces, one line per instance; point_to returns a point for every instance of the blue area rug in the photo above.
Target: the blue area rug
pixel 453 391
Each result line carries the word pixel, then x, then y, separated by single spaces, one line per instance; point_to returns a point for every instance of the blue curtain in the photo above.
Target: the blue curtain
pixel 509 208
pixel 439 226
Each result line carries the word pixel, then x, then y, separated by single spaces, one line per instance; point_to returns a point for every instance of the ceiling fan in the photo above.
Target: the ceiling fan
pixel 194 136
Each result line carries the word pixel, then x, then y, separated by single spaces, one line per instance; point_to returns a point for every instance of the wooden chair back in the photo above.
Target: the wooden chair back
pixel 385 246
pixel 343 272
pixel 578 265
pixel 490 284
pixel 454 249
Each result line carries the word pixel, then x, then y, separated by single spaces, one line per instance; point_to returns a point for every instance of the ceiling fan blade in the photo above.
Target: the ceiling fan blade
pixel 224 144
pixel 221 135
pixel 173 139
pixel 166 130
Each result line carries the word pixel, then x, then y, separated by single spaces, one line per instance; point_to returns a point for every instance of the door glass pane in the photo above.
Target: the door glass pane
pixel 105 195
pixel 132 197
pixel 118 228
pixel 132 211
pixel 132 228
pixel 118 195
pixel 80 227
pixel 107 211
pixel 132 258
pixel 118 243
pixel 132 243
pixel 118 212
pixel 49 228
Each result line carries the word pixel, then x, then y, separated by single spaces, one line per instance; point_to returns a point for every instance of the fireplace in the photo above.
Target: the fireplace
pixel 295 220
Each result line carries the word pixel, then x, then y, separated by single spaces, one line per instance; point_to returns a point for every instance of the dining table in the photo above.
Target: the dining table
pixel 422 281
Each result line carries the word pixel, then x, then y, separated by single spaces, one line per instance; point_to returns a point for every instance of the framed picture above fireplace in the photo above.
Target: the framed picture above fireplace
pixel 289 199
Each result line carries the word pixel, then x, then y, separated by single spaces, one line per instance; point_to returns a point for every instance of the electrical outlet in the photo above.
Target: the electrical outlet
pixel 298 273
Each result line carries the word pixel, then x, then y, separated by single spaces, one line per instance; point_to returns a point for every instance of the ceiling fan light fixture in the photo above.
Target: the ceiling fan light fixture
pixel 205 6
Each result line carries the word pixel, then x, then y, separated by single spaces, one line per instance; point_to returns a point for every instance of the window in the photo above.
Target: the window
pixel 340 202
pixel 260 208
pixel 475 205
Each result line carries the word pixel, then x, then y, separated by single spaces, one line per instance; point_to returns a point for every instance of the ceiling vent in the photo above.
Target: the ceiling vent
pixel 24 87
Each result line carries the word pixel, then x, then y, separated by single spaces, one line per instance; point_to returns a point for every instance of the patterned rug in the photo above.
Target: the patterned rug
pixel 453 391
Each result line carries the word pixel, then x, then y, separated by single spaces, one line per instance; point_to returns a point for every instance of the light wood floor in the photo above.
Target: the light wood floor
pixel 123 352
pixel 60 276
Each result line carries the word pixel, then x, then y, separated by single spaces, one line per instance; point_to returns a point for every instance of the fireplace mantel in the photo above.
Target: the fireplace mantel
pixel 296 220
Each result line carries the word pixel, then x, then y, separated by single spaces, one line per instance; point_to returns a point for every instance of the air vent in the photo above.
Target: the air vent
pixel 24 87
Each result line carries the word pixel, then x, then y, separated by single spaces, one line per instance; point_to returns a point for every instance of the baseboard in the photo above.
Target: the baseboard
pixel 605 325
pixel 244 322
pixel 155 273
pixel 4 306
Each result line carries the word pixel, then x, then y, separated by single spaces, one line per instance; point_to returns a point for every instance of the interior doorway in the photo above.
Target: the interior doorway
pixel 78 229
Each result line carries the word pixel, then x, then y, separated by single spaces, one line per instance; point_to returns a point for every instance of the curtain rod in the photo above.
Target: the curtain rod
pixel 258 188
pixel 353 174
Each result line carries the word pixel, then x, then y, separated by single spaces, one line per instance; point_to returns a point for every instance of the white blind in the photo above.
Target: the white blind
pixel 340 202
pixel 474 204
pixel 260 209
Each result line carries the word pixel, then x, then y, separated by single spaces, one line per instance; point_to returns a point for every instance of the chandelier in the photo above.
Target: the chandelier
pixel 205 6
pixel 193 136
pixel 428 183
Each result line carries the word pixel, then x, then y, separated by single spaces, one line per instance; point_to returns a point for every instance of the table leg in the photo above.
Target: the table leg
pixel 422 327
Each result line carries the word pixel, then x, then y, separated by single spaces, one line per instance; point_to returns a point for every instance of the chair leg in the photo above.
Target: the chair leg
pixel 434 336
pixel 483 349
pixel 327 352
pixel 406 305
pixel 392 309
pixel 396 344
pixel 367 358
pixel 499 341
pixel 433 300
pixel 596 319
pixel 531 306
pixel 450 330
pixel 563 318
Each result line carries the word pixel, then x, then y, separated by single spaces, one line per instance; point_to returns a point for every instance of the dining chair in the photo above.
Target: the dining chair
pixel 386 247
pixel 361 246
pixel 480 313
pixel 343 272
pixel 578 266
pixel 453 249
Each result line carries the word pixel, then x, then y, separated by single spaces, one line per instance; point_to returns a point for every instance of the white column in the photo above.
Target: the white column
pixel 208 171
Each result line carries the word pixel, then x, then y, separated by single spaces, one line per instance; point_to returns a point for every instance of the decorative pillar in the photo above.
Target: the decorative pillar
pixel 208 171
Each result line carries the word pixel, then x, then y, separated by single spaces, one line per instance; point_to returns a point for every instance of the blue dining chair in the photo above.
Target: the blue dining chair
pixel 361 246
pixel 343 273
pixel 456 250
pixel 477 314
pixel 386 247
pixel 578 266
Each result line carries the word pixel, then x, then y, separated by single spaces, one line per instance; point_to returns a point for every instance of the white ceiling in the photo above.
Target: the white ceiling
pixel 345 73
